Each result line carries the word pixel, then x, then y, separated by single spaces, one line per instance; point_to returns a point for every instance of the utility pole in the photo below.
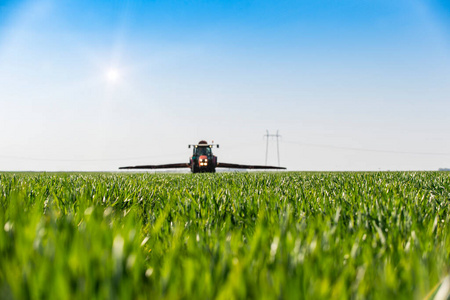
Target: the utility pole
pixel 267 144
pixel 267 136
pixel 278 148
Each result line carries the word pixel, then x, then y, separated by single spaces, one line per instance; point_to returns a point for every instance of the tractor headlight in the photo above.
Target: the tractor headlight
pixel 203 162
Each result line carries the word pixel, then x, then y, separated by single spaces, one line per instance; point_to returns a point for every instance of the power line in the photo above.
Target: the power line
pixel 367 149
pixel 83 160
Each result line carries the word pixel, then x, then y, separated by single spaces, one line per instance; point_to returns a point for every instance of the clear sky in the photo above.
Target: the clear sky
pixel 349 84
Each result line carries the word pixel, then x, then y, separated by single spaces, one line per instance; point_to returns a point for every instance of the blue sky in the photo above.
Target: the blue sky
pixel 350 85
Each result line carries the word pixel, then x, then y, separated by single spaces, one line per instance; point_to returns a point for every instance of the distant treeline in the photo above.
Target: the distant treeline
pixel 444 169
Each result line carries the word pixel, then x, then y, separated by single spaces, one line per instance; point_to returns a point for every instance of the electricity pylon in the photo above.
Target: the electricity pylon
pixel 267 135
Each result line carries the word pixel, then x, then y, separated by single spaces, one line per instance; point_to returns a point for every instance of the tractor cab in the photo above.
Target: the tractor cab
pixel 202 150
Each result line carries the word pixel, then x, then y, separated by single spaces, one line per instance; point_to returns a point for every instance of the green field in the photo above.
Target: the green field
pixel 383 235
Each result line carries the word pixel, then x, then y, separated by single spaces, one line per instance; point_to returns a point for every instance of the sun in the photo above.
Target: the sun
pixel 113 75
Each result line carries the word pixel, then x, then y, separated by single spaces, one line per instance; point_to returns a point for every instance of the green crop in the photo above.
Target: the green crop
pixel 383 235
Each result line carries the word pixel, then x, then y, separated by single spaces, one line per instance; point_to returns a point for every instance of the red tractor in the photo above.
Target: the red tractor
pixel 202 159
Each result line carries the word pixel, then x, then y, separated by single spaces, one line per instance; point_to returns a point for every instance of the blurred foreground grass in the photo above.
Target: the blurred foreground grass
pixel 378 235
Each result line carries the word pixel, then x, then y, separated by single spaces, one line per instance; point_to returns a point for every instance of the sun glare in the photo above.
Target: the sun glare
pixel 112 75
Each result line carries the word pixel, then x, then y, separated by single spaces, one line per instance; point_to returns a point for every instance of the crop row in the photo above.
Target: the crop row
pixel 229 235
